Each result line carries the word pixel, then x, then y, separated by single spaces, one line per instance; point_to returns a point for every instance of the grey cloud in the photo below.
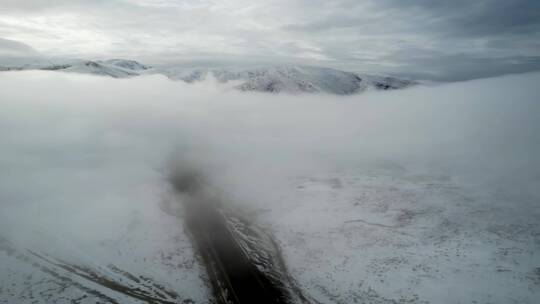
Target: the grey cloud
pixel 40 5
pixel 450 39
pixel 484 17
pixel 461 17
pixel 14 48
pixel 459 67
pixel 443 39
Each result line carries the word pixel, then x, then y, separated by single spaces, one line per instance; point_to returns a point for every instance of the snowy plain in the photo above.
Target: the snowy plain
pixel 423 195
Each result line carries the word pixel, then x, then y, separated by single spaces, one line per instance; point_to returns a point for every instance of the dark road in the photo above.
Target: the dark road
pixel 242 262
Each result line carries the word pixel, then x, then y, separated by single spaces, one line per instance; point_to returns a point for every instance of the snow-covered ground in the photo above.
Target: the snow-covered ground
pixel 424 195
pixel 144 259
pixel 389 235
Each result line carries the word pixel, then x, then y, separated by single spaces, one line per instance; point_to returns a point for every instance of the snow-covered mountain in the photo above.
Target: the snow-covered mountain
pixel 291 79
pixel 117 68
pixel 273 79
pixel 127 64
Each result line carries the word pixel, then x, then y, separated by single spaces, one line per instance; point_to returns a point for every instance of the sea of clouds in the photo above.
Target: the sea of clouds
pixel 79 155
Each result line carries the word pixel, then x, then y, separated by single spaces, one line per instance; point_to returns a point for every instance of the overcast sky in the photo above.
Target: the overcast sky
pixel 448 40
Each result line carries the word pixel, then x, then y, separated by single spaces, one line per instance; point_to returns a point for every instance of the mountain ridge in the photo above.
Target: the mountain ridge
pixel 270 79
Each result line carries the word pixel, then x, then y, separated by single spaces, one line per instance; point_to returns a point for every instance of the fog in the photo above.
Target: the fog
pixel 82 155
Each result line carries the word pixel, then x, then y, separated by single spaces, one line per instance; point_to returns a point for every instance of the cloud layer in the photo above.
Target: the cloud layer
pixel 430 39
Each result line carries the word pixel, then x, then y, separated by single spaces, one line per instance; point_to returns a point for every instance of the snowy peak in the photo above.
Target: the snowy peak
pixel 117 68
pixel 127 64
pixel 100 68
